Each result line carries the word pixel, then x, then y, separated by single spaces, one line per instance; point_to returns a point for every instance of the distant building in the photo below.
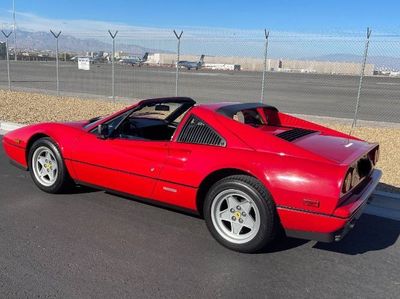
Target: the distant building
pixel 3 52
pixel 276 65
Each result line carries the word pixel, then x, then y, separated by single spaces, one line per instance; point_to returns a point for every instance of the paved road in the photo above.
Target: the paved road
pixel 327 95
pixel 94 244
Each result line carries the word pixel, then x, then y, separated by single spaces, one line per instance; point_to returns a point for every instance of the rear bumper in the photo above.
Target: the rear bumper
pixel 329 228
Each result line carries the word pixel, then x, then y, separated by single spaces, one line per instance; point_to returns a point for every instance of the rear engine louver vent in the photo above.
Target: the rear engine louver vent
pixel 198 132
pixel 293 134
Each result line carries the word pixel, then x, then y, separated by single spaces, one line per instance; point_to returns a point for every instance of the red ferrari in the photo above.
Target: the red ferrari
pixel 248 169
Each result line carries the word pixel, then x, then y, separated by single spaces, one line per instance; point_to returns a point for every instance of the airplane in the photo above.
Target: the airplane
pixel 135 60
pixel 192 64
pixel 91 59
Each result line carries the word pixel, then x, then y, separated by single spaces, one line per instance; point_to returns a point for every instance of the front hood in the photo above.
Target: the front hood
pixel 339 149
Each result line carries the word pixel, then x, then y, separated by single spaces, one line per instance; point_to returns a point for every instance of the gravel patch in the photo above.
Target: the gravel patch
pixel 26 108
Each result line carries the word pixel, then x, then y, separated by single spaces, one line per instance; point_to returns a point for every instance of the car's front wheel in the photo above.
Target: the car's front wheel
pixel 240 213
pixel 47 167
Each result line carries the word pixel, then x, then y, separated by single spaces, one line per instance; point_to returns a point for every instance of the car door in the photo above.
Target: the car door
pixel 124 165
pixel 191 155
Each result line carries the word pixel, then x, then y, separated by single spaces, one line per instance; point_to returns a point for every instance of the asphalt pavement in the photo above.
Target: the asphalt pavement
pixel 311 94
pixel 94 244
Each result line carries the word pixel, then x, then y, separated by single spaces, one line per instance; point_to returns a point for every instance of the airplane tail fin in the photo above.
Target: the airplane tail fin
pixel 145 56
pixel 202 58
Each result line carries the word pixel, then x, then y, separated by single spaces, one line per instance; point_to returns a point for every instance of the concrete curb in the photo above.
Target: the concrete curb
pixel 9 126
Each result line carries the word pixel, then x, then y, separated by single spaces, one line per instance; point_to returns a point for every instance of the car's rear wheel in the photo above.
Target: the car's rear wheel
pixel 240 213
pixel 47 167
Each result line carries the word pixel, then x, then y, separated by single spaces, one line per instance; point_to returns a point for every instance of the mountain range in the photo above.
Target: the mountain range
pixel 42 41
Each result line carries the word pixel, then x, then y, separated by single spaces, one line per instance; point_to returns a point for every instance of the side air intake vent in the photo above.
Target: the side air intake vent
pixel 198 132
pixel 293 134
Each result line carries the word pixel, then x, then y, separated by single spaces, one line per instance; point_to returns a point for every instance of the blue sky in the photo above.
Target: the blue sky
pixel 281 15
pixel 299 28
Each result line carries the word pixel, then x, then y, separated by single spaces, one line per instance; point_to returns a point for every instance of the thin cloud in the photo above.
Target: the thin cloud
pixel 82 28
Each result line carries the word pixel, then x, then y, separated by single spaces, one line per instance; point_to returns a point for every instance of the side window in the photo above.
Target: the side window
pixel 198 132
pixel 116 121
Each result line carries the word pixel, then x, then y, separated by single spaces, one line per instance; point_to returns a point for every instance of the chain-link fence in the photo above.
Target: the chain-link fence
pixel 315 74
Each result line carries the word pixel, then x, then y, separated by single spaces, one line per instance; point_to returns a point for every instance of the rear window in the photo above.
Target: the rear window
pixel 249 117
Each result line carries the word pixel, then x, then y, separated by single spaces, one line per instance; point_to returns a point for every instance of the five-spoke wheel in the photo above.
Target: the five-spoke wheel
pixel 240 213
pixel 235 216
pixel 47 167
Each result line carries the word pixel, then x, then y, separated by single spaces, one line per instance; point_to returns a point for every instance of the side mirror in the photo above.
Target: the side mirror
pixel 103 131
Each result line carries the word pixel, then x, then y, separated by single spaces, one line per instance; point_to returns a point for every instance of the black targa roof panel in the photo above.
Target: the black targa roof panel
pixel 231 109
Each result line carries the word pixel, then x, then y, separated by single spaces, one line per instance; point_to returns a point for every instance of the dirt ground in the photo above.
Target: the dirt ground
pixel 26 108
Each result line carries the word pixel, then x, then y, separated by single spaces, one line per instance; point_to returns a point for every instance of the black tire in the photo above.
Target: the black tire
pixel 63 181
pixel 269 223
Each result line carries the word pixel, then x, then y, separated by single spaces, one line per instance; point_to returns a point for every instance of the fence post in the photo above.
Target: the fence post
pixel 112 63
pixel 361 79
pixel 178 52
pixel 15 33
pixel 56 36
pixel 266 33
pixel 8 58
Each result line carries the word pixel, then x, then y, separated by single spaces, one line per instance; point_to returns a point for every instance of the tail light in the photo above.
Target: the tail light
pixel 347 181
pixel 376 156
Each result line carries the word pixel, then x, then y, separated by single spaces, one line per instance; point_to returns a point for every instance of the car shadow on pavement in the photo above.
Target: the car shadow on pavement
pixel 79 189
pixel 371 233
pixel 283 243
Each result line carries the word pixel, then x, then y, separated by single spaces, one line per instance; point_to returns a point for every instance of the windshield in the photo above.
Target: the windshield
pixel 157 111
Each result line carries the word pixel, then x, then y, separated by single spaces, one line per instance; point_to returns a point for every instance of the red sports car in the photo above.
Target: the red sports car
pixel 248 169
